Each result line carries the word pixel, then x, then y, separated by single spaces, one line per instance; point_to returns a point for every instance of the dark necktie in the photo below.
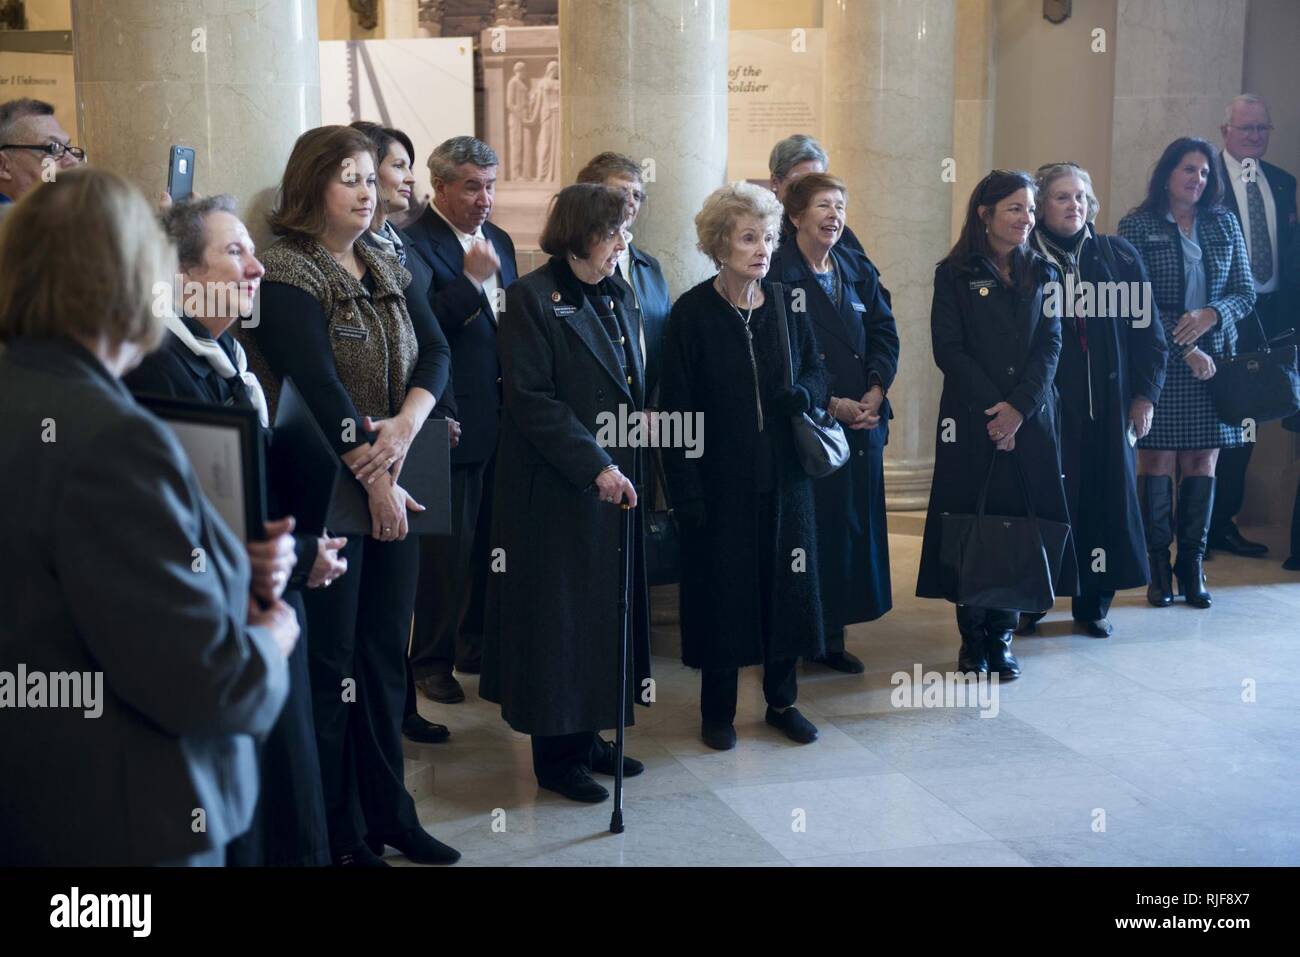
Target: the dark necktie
pixel 1261 246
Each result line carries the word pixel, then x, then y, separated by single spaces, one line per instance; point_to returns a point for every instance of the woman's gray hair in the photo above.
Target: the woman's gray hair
pixel 715 223
pixel 446 160
pixel 1047 175
pixel 792 151
pixel 183 222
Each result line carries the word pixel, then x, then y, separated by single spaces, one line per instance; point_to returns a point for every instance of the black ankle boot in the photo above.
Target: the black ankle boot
pixel 1195 504
pixel 1156 493
pixel 973 658
pixel 999 627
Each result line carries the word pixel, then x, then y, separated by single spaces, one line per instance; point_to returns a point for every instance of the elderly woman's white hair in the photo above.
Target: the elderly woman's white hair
pixel 716 221
pixel 1050 173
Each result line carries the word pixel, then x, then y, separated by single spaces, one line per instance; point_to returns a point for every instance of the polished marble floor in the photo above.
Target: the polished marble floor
pixel 1172 743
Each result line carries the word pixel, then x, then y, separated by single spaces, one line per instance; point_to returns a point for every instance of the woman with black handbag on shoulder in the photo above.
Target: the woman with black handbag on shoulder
pixel 1200 275
pixel 749 589
pixel 998 348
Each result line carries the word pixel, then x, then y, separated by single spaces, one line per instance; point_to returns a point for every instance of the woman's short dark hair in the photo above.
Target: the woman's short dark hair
pixel 799 194
pixel 1157 198
pixel 383 138
pixel 315 162
pixel 579 215
pixel 604 165
pixel 185 221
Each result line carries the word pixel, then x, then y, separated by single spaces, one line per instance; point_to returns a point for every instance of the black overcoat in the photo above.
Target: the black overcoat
pixel 551 640
pixel 858 342
pixel 993 347
pixel 707 369
pixel 1128 355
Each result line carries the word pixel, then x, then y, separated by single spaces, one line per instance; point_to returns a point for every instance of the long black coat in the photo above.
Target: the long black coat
pixel 858 341
pixel 550 645
pixel 1127 360
pixel 707 369
pixel 993 348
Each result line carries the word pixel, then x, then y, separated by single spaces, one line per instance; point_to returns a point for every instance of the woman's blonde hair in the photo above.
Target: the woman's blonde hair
pixel 82 257
pixel 716 221
pixel 1050 173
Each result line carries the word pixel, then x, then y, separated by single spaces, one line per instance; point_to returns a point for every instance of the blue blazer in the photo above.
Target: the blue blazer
pixel 471 331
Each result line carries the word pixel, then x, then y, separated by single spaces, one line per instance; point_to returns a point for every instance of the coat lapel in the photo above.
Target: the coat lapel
pixel 795 272
pixel 587 326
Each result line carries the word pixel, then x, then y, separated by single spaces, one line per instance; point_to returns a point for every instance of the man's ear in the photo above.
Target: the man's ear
pixel 6 173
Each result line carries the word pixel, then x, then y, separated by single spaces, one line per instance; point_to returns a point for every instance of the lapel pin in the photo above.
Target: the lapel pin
pixel 984 290
pixel 555 297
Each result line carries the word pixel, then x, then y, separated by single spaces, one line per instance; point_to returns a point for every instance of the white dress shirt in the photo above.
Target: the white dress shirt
pixel 625 270
pixel 492 283
pixel 1233 166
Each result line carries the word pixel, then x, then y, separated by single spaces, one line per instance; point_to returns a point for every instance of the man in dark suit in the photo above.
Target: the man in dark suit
pixel 472 262
pixel 1263 198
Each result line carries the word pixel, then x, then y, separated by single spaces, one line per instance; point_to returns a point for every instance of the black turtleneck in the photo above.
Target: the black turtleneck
pixel 1061 242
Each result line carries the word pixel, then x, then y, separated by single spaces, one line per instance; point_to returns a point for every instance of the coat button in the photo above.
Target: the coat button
pixel 860 452
pixel 1114 375
pixel 600 394
pixel 498 380
pixel 1011 370
pixel 1043 408
pixel 823 355
pixel 856 356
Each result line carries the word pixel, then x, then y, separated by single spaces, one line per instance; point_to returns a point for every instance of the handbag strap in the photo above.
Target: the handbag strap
pixel 1020 474
pixel 655 457
pixel 778 294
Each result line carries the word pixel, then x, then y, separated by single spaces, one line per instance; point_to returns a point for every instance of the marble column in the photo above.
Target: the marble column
pixel 238 80
pixel 889 130
pixel 649 79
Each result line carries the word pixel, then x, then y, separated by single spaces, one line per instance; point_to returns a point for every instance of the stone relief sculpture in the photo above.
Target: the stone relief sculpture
pixel 519 132
pixel 546 111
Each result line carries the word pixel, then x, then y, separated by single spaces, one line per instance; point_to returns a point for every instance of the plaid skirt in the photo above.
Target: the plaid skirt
pixel 1185 418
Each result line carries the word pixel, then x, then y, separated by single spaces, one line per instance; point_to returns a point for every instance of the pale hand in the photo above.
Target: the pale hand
pixel 328 565
pixel 279 620
pixel 1006 421
pixel 1139 413
pixel 1192 325
pixel 389 448
pixel 481 262
pixel 1202 365
pixel 613 486
pixel 272 560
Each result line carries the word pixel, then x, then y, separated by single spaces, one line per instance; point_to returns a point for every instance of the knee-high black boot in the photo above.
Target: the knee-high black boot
pixel 1195 502
pixel 973 657
pixel 998 626
pixel 1156 494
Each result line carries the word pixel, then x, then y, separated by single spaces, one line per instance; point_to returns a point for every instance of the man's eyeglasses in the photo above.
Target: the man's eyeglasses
pixel 1257 129
pixel 55 149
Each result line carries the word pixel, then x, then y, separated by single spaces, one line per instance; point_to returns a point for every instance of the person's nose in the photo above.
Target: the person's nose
pixel 253 268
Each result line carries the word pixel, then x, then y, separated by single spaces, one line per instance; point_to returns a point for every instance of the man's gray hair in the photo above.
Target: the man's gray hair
pixel 184 224
pixel 792 151
pixel 445 161
pixel 1243 99
pixel 14 110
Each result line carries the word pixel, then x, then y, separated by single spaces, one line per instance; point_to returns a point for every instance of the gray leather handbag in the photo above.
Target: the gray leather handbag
pixel 818 437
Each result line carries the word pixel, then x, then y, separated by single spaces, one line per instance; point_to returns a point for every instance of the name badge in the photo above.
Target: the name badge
pixel 352 332
pixel 858 307
pixel 983 283
pixel 562 312
pixel 1156 238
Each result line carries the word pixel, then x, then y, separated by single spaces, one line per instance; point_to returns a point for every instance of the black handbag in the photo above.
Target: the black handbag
pixel 1001 561
pixel 818 438
pixel 663 545
pixel 1261 385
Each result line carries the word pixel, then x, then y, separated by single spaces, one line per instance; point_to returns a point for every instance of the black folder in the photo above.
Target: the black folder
pixel 304 466
pixel 426 475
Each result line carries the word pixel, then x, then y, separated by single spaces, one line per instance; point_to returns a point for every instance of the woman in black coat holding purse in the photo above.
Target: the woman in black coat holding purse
pixel 998 349
pixel 570 364
pixel 749 591
pixel 1110 375
pixel 858 340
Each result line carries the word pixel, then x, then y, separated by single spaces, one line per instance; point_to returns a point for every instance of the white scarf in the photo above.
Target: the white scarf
pixel 211 350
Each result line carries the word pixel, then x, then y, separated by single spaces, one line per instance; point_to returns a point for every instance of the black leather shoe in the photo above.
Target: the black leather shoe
pixel 1001 660
pixel 720 737
pixel 1028 624
pixel 1097 628
pixel 1233 541
pixel 416 728
pixel 418 846
pixel 604 764
pixel 441 688
pixel 842 661
pixel 360 856
pixel 470 667
pixel 576 785
pixel 796 727
pixel 1292 564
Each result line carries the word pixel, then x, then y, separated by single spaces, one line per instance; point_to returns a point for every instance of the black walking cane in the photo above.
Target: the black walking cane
pixel 624 630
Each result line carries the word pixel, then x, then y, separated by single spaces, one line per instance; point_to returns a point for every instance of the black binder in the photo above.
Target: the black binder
pixel 426 475
pixel 304 466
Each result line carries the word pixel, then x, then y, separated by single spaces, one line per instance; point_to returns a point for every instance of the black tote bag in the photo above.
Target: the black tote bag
pixel 1261 385
pixel 1002 561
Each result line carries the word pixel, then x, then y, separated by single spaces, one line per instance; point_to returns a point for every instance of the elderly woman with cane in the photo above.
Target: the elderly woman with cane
pixel 569 360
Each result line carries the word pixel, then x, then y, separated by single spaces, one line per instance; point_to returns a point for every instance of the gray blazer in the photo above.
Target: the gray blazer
pixel 100 516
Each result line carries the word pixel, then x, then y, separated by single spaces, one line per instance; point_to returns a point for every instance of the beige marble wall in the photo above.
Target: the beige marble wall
pixel 972 108
pixel 240 92
pixel 650 79
pixel 1177 63
pixel 889 130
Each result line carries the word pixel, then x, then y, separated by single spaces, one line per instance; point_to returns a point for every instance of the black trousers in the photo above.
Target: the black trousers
pixel 1295 524
pixel 971 617
pixel 289 826
pixel 834 640
pixel 453 578
pixel 553 754
pixel 1230 471
pixel 359 630
pixel 1091 606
